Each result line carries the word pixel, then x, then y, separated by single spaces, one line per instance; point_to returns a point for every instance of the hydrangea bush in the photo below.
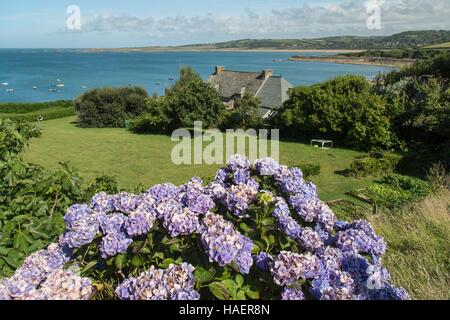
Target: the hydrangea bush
pixel 255 231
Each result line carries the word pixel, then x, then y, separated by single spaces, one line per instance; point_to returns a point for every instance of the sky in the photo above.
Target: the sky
pixel 132 23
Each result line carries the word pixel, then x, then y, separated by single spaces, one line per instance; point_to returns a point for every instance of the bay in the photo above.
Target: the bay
pixel 46 75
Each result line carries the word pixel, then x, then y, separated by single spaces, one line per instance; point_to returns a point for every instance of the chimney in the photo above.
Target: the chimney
pixel 266 74
pixel 243 90
pixel 219 70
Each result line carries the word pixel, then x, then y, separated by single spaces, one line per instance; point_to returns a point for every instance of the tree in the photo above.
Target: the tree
pixel 244 115
pixel 343 109
pixel 191 99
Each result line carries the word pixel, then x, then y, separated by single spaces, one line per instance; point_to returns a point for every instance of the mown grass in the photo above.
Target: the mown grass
pixel 418 255
pixel 146 159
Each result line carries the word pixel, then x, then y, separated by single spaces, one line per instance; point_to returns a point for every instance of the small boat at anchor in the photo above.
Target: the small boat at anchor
pixel 10 90
pixel 5 84
pixel 60 85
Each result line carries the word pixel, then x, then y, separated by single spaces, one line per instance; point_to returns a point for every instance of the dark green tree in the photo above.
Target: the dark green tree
pixel 344 109
pixel 191 99
pixel 244 115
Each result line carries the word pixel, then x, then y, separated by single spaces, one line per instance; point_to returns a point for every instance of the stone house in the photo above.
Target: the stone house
pixel 271 90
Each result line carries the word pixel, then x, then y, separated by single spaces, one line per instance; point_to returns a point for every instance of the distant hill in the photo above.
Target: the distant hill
pixel 397 41
pixel 409 39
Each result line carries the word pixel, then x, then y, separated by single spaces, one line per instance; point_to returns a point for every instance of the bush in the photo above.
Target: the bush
pixel 32 201
pixel 380 162
pixel 396 191
pixel 154 119
pixel 110 107
pixel 226 241
pixel 244 115
pixel 191 99
pixel 343 109
pixel 309 169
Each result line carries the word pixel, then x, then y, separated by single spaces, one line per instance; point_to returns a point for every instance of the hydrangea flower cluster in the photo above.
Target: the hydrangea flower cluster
pixel 174 283
pixel 41 277
pixel 224 244
pixel 338 260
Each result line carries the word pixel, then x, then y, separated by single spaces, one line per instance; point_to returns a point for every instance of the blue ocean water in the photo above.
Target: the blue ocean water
pixel 34 74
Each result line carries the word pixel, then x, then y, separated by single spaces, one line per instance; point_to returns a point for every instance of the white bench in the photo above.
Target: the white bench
pixel 323 144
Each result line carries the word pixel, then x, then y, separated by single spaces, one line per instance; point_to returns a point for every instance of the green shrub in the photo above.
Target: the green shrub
pixel 154 119
pixel 310 170
pixel 343 109
pixel 374 163
pixel 244 115
pixel 396 191
pixel 110 107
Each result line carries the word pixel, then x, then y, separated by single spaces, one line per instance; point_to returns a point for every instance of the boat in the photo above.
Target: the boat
pixel 10 90
pixel 83 87
pixel 34 87
pixel 158 83
pixel 61 85
pixel 5 84
pixel 171 79
pixel 52 90
pixel 59 80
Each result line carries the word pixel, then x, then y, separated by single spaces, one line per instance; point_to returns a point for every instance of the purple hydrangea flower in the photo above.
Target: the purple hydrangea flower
pixel 333 285
pixel 263 261
pixel 77 213
pixel 139 222
pixel 102 202
pixel 239 198
pixel 216 191
pixel 163 191
pixel 181 221
pixel 288 267
pixel 292 294
pixel 221 176
pixel 238 162
pixel 224 244
pixel 241 176
pixel 80 232
pixel 309 239
pixel 285 222
pixel 125 202
pixel 114 243
pixel 113 224
pixel 65 285
pixel 186 295
pixel 174 283
pixel 267 167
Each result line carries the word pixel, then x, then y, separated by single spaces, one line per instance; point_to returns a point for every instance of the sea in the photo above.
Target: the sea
pixel 36 75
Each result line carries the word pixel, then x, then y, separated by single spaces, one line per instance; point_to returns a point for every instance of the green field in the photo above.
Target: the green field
pixel 146 159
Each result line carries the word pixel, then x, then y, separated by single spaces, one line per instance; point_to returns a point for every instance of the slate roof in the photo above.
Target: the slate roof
pixel 230 83
pixel 272 91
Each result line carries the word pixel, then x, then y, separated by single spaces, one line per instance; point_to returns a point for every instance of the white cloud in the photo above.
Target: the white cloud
pixel 348 17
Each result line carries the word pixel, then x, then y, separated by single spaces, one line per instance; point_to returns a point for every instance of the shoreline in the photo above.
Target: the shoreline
pixel 378 62
pixel 192 49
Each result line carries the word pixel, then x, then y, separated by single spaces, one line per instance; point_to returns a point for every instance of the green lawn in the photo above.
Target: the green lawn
pixel 145 159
